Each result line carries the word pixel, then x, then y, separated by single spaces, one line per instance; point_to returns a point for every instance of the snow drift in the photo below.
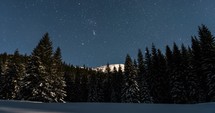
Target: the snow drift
pixel 30 107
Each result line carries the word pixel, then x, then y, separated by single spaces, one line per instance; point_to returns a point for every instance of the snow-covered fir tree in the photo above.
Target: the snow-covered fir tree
pixel 14 75
pixel 58 84
pixel 32 80
pixel 43 80
pixel 3 75
pixel 130 91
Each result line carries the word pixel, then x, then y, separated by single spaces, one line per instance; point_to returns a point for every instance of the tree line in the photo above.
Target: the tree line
pixel 181 75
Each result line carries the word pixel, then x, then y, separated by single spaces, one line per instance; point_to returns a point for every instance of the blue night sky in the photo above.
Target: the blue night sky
pixel 94 32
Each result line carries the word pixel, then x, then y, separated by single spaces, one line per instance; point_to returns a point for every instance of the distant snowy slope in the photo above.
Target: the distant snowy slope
pixel 28 107
pixel 103 68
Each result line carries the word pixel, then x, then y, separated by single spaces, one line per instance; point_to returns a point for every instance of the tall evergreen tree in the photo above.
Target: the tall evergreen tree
pixel 169 66
pixel 14 75
pixel 58 82
pixel 163 79
pixel 39 79
pixel 3 78
pixel 186 67
pixel 148 67
pixel 117 82
pixel 158 76
pixel 153 79
pixel 178 91
pixel 32 79
pixel 145 96
pixel 114 85
pixel 191 79
pixel 197 72
pixel 208 60
pixel 130 92
pixel 141 66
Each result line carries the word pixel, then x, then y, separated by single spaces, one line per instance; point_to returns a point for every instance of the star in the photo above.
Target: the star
pixel 94 32
pixel 82 43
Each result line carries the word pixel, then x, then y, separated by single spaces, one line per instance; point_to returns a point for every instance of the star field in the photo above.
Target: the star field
pixel 94 32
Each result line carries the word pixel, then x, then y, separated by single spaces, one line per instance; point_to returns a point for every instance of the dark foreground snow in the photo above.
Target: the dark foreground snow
pixel 29 107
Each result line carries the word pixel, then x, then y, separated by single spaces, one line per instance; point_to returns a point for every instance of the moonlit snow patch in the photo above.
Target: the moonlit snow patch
pixel 20 110
pixel 103 68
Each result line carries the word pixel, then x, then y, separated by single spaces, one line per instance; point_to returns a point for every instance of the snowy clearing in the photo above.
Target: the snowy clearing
pixel 31 107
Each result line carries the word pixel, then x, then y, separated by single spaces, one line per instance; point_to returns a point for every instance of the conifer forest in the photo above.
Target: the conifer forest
pixel 181 74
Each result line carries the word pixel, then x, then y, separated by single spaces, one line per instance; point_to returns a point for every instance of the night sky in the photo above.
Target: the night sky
pixel 94 32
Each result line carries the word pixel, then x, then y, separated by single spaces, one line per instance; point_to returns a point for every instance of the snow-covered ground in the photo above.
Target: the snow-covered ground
pixel 103 68
pixel 29 107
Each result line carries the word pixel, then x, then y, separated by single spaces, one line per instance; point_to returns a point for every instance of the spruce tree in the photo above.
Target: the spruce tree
pixel 191 79
pixel 148 68
pixel 120 79
pixel 58 83
pixel 3 77
pixel 117 83
pixel 141 66
pixel 208 60
pixel 163 79
pixel 186 67
pixel 153 79
pixel 32 81
pixel 178 91
pixel 135 64
pixel 39 79
pixel 145 96
pixel 14 75
pixel 130 92
pixel 114 85
pixel 158 77
pixel 169 66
